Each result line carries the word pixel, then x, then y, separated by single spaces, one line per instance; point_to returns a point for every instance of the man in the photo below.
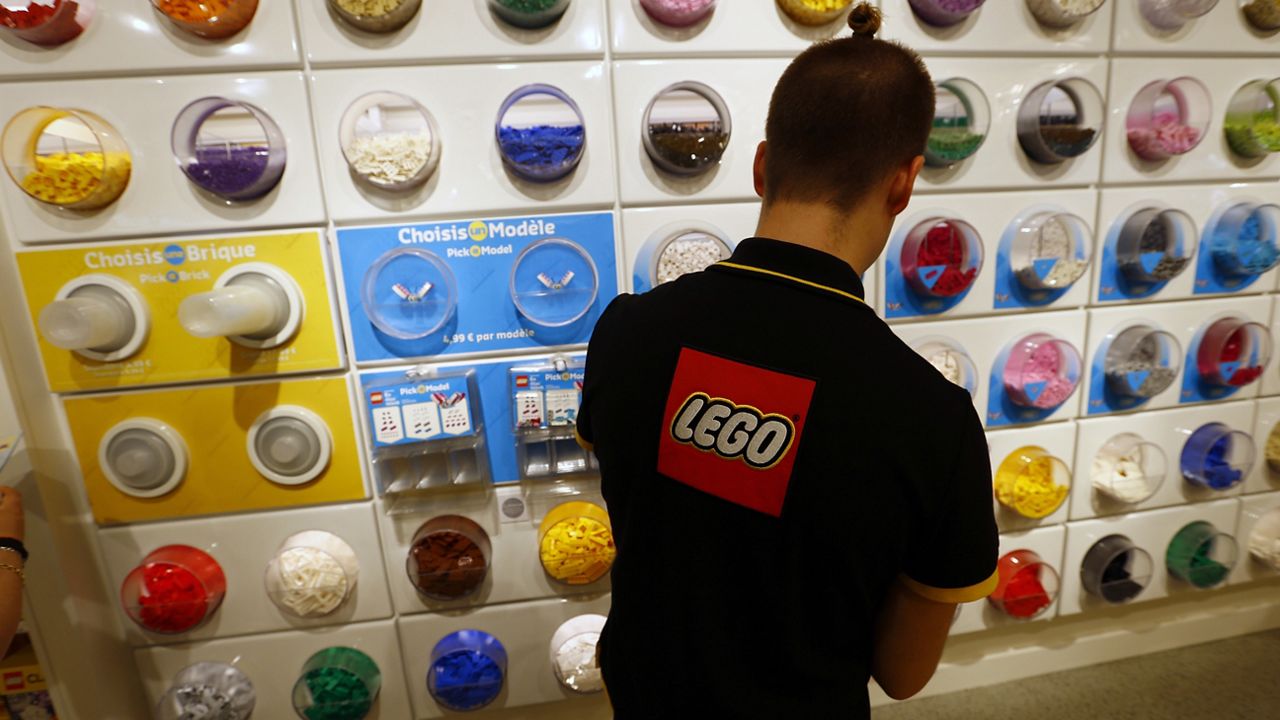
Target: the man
pixel 798 499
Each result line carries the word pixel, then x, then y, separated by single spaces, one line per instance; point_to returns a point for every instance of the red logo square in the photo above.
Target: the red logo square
pixel 522 381
pixel 731 429
pixel 14 681
pixel 375 398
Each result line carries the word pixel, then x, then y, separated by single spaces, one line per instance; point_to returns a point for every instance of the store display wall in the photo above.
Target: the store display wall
pixel 256 326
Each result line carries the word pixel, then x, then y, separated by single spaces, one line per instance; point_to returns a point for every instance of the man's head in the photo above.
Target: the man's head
pixel 846 129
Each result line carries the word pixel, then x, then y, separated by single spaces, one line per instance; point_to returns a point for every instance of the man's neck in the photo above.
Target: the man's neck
pixel 821 227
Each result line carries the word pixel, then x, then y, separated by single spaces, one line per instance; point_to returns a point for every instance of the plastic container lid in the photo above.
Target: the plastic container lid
pixel 375 16
pixel 678 13
pixel 961 120
pixel 1063 13
pixel 1128 469
pixel 1032 482
pixel 66 157
pixel 1233 352
pixel 944 13
pixel 1116 570
pixel 814 12
pixel 1252 123
pixel 1243 239
pixel 573 654
pixel 253 304
pixel 449 558
pixel 1264 539
pixel 1217 457
pixel 554 282
pixel 337 683
pixel 540 133
pixel 1155 244
pixel 467 671
pixel 173 590
pixel 208 691
pixel 312 574
pixel 143 457
pixel 1262 14
pixel 941 257
pixel 1168 117
pixel 1141 362
pixel 389 141
pixel 529 14
pixel 1173 14
pixel 1041 372
pixel 289 445
pixel 686 129
pixel 1026 585
pixel 1201 555
pixel 1050 250
pixel 49 22
pixel 229 148
pixel 1060 119
pixel 212 19
pixel 951 360
pixel 575 543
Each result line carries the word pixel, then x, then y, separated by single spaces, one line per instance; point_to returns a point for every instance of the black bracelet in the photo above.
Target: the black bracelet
pixel 14 544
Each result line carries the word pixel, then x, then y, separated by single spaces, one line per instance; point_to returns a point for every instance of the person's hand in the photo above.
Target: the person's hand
pixel 11 524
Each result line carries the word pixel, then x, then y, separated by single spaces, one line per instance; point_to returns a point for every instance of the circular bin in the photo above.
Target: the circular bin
pixel 961 119
pixel 1032 482
pixel 951 360
pixel 1128 469
pixel 686 129
pixel 677 251
pixel 943 13
pixel 337 683
pixel 312 574
pixel 540 133
pixel 1141 362
pixel 208 691
pixel 229 148
pixel 375 16
pixel 528 14
pixel 1243 239
pixel 814 12
pixel 1168 117
pixel 573 654
pixel 99 317
pixel 1063 13
pixel 1041 372
pixel 174 589
pixel 212 19
pixel 289 445
pixel 1200 555
pixel 678 13
pixel 48 22
pixel 1217 457
pixel 389 141
pixel 449 557
pixel 1263 15
pixel 1252 124
pixel 941 257
pixel 1116 570
pixel 1060 119
pixel 1264 539
pixel 1173 14
pixel 1155 245
pixel 409 293
pixel 256 305
pixel 1026 585
pixel 1050 250
pixel 467 671
pixel 554 282
pixel 575 543
pixel 66 157
pixel 1233 352
pixel 143 457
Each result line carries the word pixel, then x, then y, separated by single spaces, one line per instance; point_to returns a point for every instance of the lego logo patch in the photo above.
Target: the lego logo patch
pixel 731 429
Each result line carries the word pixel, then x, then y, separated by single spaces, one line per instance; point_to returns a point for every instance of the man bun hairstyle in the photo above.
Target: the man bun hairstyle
pixel 846 113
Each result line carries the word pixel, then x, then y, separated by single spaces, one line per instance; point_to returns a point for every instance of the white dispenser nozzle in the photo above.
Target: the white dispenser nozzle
pixel 250 305
pixel 93 317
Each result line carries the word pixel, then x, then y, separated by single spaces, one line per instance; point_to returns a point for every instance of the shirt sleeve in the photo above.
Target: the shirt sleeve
pixel 599 353
pixel 954 559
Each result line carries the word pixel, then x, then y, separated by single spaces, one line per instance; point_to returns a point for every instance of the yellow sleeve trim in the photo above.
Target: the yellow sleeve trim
pixel 583 442
pixel 953 595
pixel 792 278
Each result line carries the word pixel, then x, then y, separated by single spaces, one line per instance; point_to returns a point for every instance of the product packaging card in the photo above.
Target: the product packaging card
pixel 419 409
pixel 546 396
pixel 475 286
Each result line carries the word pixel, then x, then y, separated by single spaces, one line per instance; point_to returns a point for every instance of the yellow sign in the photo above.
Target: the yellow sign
pixel 213 422
pixel 155 277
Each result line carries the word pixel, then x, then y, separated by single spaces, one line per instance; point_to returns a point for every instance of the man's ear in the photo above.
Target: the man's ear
pixel 757 169
pixel 904 180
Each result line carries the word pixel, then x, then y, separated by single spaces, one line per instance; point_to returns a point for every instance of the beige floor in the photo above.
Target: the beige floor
pixel 1236 679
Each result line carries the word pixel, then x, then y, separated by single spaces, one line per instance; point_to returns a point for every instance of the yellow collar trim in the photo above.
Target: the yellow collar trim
pixel 802 281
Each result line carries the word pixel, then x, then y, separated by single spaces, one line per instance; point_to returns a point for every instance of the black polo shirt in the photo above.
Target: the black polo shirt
pixel 772 456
